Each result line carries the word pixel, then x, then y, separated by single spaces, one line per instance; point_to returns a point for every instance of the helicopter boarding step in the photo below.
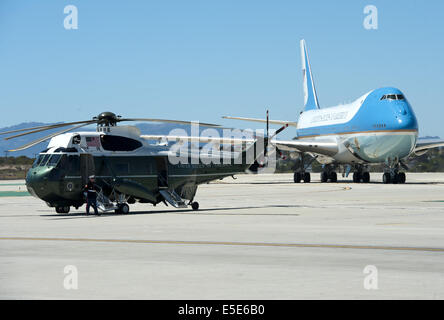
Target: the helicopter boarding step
pixel 104 204
pixel 173 198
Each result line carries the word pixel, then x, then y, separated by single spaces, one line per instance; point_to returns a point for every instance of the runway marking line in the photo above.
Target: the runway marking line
pixel 228 243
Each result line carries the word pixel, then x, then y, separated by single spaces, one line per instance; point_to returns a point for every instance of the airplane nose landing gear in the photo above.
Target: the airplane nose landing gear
pixel 392 174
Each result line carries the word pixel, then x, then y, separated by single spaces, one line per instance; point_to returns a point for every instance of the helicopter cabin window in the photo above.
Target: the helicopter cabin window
pixel 73 166
pixel 76 139
pixel 118 143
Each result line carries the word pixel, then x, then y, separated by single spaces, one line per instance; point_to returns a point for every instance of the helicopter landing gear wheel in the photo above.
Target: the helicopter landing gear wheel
pixel 123 209
pixel 64 209
pixel 195 206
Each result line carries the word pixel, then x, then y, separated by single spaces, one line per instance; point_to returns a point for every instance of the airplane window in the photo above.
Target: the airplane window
pixel 118 143
pixel 384 97
pixel 400 97
pixel 391 96
pixel 52 162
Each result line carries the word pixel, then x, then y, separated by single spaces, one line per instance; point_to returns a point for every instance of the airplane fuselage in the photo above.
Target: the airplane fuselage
pixel 378 127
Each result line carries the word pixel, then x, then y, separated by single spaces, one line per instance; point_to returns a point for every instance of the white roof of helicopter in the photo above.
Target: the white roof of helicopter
pixel 90 141
pixel 93 146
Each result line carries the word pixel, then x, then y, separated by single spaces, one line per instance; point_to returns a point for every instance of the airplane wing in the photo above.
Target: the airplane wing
pixel 279 122
pixel 424 144
pixel 326 148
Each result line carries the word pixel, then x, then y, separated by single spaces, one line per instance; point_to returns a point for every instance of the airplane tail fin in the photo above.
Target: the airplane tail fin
pixel 310 96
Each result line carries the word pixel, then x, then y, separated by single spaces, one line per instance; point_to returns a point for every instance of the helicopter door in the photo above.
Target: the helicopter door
pixel 86 167
pixel 162 172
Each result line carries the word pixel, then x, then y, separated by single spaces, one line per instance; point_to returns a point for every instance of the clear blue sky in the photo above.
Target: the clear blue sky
pixel 199 60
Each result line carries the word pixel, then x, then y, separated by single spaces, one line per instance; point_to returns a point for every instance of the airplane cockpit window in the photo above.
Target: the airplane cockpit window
pixel 393 97
pixel 118 143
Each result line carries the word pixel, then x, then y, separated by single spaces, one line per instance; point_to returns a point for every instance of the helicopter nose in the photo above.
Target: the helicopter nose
pixel 37 182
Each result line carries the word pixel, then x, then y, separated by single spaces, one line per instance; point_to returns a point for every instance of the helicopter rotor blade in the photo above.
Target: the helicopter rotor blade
pixel 52 127
pixel 33 143
pixel 172 121
pixel 46 127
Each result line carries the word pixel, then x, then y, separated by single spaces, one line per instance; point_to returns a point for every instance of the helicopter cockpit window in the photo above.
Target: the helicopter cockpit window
pixel 37 161
pixel 118 143
pixel 44 160
pixel 52 162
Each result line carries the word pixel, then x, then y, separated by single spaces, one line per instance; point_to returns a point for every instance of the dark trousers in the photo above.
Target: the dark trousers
pixel 91 201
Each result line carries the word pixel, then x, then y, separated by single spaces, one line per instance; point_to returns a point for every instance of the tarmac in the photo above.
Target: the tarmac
pixel 256 237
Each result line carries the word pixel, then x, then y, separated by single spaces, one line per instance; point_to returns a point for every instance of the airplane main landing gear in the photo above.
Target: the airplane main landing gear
pixel 326 176
pixel 329 173
pixel 361 176
pixel 302 176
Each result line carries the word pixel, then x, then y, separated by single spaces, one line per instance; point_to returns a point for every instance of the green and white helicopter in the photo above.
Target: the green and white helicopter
pixel 128 168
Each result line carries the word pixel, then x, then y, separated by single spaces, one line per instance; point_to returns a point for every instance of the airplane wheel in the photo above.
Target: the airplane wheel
pixel 195 206
pixel 324 176
pixel 307 177
pixel 357 177
pixel 401 177
pixel 333 177
pixel 366 177
pixel 297 177
pixel 386 178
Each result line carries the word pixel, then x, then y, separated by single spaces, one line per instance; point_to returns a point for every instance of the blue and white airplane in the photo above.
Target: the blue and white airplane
pixel 379 127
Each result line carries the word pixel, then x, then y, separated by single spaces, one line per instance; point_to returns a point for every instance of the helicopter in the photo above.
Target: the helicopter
pixel 127 168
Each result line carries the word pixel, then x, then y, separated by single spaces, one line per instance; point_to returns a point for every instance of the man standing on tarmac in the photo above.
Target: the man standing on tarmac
pixel 91 195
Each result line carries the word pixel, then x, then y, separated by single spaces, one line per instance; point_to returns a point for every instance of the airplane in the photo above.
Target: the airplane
pixel 379 127
pixel 126 166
